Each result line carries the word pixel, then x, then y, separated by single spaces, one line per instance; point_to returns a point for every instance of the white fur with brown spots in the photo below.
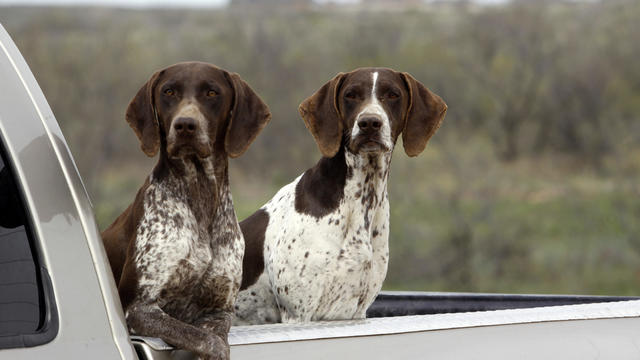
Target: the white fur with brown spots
pixel 318 250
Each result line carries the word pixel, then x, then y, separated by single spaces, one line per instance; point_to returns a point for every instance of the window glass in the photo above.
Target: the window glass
pixel 21 297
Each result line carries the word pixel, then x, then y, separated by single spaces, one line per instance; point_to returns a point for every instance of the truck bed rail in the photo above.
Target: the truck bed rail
pixel 403 303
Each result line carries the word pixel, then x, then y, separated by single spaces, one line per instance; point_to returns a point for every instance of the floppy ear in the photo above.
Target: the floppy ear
pixel 322 118
pixel 424 116
pixel 249 114
pixel 142 118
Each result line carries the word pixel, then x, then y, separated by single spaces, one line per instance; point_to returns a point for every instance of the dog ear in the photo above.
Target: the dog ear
pixel 141 116
pixel 424 115
pixel 322 118
pixel 248 116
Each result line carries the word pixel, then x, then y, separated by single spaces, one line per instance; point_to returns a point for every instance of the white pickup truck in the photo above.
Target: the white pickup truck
pixel 58 299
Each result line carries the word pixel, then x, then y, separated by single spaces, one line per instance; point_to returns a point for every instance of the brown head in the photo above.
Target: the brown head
pixel 196 108
pixel 368 108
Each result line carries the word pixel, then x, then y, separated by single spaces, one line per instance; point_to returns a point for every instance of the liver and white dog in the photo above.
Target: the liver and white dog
pixel 176 251
pixel 319 249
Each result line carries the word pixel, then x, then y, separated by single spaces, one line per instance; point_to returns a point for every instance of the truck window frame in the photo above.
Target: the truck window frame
pixel 48 318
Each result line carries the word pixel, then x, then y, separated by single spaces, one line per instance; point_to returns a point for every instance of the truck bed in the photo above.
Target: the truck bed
pixel 401 324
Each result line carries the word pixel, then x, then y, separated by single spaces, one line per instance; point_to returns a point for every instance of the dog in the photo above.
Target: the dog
pixel 318 250
pixel 176 251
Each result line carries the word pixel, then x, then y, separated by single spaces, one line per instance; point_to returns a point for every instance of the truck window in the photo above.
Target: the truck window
pixel 23 308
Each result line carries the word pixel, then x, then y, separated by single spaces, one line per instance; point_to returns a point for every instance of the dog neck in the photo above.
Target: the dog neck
pixel 203 184
pixel 357 182
pixel 366 183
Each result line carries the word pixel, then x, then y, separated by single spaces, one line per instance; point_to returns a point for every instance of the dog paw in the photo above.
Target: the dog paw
pixel 217 349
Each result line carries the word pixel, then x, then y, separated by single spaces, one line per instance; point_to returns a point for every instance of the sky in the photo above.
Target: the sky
pixel 155 3
pixel 126 3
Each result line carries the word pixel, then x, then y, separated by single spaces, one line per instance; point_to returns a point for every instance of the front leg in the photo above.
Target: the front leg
pixel 148 319
pixel 218 323
pixel 380 261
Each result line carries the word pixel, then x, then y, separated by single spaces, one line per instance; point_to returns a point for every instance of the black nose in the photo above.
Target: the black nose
pixel 185 126
pixel 370 123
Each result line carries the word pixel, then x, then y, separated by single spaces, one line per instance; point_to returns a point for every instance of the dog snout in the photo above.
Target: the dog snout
pixel 370 123
pixel 185 126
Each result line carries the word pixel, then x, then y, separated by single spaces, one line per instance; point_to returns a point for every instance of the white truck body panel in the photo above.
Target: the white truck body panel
pixel 91 323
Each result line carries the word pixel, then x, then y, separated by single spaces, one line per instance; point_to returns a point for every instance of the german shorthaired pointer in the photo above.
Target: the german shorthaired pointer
pixel 319 249
pixel 176 251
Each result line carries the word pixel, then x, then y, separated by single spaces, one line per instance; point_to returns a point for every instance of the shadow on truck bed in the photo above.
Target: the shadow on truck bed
pixel 401 303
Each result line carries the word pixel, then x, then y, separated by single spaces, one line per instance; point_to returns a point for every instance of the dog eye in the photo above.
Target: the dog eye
pixel 392 95
pixel 169 92
pixel 351 95
pixel 212 93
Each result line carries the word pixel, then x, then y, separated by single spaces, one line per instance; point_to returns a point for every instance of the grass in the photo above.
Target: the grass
pixel 463 221
pixel 525 227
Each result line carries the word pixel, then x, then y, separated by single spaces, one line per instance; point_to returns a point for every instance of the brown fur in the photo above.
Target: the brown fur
pixel 188 304
pixel 322 117
pixel 425 115
pixel 254 227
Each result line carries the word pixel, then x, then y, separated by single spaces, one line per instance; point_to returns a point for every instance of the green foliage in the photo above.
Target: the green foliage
pixel 531 185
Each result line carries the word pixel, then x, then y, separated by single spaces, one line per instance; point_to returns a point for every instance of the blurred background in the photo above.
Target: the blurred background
pixel 531 185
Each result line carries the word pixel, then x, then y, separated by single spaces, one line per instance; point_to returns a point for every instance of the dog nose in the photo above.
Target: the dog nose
pixel 370 123
pixel 185 126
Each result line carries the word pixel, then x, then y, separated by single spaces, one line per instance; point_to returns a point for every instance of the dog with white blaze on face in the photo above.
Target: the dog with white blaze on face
pixel 318 250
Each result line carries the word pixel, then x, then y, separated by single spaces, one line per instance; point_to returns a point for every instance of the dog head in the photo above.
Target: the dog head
pixel 194 109
pixel 368 108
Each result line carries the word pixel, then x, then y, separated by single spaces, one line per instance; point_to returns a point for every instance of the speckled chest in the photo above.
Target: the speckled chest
pixel 188 253
pixel 330 267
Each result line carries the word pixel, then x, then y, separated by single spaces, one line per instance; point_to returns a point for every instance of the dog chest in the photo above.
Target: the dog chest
pixel 359 269
pixel 340 259
pixel 176 263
